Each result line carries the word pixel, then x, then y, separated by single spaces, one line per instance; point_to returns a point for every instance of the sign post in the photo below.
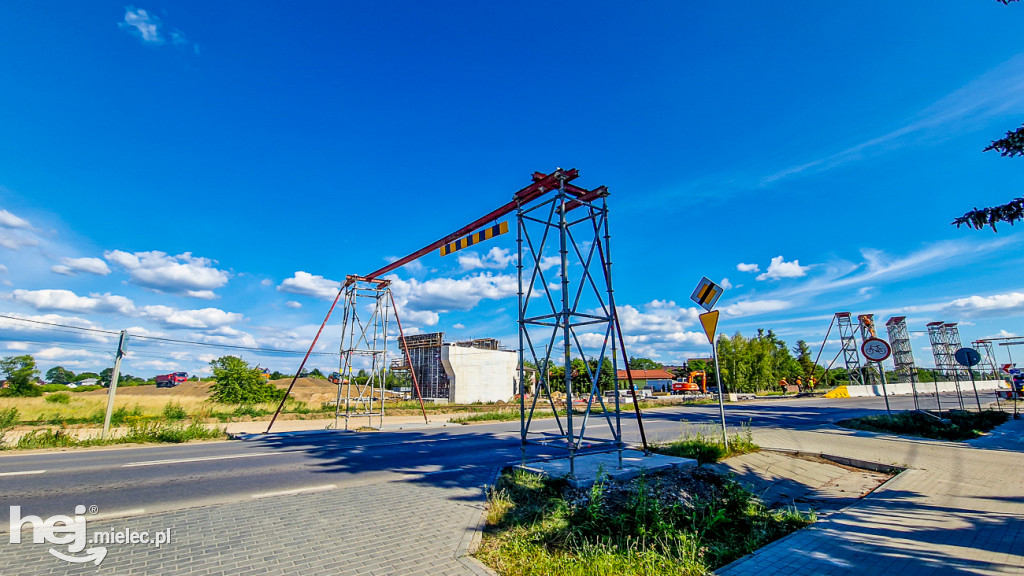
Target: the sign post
pixel 970 357
pixel 709 320
pixel 706 295
pixel 876 350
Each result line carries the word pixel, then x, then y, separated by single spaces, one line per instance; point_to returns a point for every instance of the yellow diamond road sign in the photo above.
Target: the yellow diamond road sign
pixel 706 294
pixel 709 320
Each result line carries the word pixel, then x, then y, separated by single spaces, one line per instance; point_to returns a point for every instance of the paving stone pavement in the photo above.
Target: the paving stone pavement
pixel 956 510
pixel 781 479
pixel 401 527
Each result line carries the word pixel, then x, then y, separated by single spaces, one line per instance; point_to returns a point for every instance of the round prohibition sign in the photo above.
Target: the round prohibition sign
pixel 875 349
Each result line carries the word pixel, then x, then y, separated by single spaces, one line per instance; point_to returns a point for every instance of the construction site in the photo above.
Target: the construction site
pixel 554 219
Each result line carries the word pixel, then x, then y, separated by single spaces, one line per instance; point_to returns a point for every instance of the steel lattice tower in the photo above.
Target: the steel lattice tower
pixel 952 334
pixel 364 341
pixel 902 351
pixel 988 357
pixel 851 355
pixel 937 338
pixel 567 314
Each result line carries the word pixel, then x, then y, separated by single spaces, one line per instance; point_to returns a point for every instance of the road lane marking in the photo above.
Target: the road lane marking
pixel 23 473
pixel 115 514
pixel 296 491
pixel 200 459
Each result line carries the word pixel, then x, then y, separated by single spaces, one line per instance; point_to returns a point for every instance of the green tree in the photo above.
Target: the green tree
pixel 21 374
pixel 644 364
pixel 59 375
pixel 316 373
pixel 86 375
pixel 239 383
pixel 803 358
pixel 606 376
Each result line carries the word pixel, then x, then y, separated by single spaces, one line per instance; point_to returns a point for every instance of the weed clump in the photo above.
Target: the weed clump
pixel 674 522
pixel 955 425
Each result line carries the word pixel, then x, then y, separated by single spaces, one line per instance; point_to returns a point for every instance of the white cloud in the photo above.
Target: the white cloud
pixel 1002 334
pixel 725 284
pixel 752 307
pixel 779 268
pixel 66 354
pixel 3 269
pixel 496 258
pixel 181 274
pixel 459 326
pixel 293 304
pixel 72 266
pixel 203 318
pixel 266 282
pixel 8 220
pixel 996 305
pixel 308 284
pixel 68 301
pixel 142 24
pixel 15 231
pixel 151 29
pixel 444 294
pixel 748 267
pixel 658 317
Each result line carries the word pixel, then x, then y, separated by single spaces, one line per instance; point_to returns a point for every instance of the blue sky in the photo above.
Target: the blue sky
pixel 207 172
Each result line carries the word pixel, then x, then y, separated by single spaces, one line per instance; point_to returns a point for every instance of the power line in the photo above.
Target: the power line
pixel 169 340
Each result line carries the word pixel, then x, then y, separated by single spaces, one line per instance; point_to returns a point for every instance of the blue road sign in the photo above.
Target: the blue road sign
pixel 967 357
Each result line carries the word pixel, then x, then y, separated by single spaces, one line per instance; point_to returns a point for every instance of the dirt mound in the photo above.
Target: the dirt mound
pixel 316 391
pixel 312 391
pixel 190 388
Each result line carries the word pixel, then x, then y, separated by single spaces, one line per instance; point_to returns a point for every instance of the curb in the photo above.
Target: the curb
pixel 474 535
pixel 845 461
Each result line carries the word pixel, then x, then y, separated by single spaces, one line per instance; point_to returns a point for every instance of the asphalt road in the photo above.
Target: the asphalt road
pixel 128 481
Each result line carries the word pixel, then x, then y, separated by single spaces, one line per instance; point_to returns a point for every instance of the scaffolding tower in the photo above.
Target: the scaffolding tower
pixel 424 353
pixel 952 335
pixel 567 316
pixel 945 341
pixel 988 358
pixel 902 351
pixel 848 341
pixel 364 346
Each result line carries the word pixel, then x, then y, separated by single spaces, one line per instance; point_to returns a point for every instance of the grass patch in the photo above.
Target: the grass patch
pixel 707 447
pixel 138 432
pixel 500 416
pixel 8 418
pixel 58 398
pixel 174 411
pixel 955 425
pixel 677 522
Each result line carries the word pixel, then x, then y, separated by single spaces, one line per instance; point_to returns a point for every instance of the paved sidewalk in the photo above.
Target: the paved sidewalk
pixel 418 527
pixel 783 479
pixel 956 510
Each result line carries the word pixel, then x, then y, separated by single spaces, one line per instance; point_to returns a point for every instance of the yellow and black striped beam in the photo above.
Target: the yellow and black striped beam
pixel 475 238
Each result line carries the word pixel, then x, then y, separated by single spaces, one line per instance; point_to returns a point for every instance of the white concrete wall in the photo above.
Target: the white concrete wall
pixel 924 388
pixel 479 375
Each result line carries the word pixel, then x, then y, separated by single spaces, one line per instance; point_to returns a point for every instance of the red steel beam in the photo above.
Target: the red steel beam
pixel 541 183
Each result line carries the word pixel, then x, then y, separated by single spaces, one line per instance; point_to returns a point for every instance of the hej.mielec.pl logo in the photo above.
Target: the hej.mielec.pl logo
pixel 71 531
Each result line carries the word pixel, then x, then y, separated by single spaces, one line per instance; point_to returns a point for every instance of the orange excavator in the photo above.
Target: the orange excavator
pixel 696 383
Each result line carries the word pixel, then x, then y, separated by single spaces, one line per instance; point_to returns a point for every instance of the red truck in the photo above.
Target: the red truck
pixel 171 380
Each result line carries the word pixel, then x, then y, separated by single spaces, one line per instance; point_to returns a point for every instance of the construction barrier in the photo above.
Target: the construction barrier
pixel 838 392
pixel 904 389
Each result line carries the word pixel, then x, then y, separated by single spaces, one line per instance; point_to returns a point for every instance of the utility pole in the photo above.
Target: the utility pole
pixel 113 383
